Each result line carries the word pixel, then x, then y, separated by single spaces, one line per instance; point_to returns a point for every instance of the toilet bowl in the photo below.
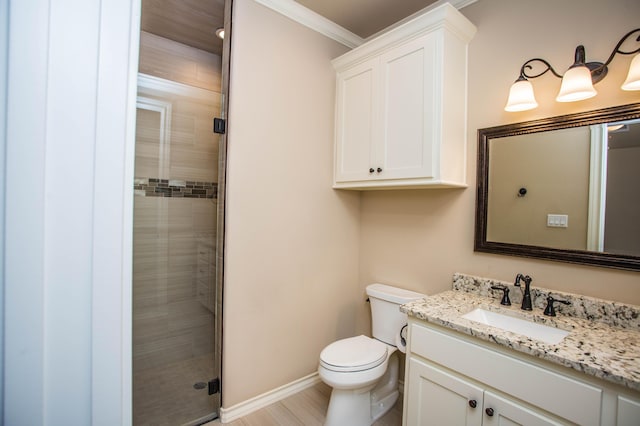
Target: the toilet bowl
pixel 363 371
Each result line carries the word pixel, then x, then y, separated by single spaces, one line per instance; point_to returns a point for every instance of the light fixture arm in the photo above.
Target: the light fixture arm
pixel 617 50
pixel 578 80
pixel 598 69
pixel 527 65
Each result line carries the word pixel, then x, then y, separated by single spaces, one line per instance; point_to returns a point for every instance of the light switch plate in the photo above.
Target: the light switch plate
pixel 558 220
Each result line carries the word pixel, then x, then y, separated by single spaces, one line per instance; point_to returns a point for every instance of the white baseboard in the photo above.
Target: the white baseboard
pixel 249 406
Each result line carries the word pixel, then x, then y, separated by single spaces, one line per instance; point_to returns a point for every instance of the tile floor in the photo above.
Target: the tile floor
pixel 305 408
pixel 165 396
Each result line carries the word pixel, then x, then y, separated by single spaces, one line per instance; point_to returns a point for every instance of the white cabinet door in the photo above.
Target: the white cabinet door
pixel 357 113
pixel 383 108
pixel 628 411
pixel 407 139
pixel 435 397
pixel 504 412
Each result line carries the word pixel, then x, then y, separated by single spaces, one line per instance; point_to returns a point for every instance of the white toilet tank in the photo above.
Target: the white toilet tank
pixel 386 318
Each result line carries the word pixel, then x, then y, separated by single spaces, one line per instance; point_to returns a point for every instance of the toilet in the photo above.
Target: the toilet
pixel 363 371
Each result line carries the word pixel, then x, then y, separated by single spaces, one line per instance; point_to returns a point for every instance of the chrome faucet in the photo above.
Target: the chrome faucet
pixel 526 293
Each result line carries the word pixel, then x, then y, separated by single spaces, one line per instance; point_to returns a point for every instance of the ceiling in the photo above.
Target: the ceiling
pixel 190 22
pixel 193 22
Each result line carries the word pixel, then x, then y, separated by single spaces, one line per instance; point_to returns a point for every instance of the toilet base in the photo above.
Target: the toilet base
pixel 350 405
pixel 363 406
pixel 380 408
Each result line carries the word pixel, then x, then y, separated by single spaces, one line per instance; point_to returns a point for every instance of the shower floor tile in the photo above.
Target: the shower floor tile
pixel 165 396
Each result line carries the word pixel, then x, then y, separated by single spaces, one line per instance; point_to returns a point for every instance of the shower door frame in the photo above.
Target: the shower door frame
pixel 222 191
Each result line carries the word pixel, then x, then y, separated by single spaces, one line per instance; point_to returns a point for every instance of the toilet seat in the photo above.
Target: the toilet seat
pixel 354 354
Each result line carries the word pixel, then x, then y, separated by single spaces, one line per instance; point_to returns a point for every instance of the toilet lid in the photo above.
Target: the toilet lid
pixel 353 354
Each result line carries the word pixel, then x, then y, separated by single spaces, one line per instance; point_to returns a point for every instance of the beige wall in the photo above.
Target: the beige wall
pixel 420 238
pixel 554 169
pixel 291 240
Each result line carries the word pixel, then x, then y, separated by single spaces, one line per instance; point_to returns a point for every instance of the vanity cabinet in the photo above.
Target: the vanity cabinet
pixel 401 106
pixel 454 379
pixel 439 397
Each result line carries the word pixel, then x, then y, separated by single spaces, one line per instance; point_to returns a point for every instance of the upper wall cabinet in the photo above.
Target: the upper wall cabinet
pixel 401 106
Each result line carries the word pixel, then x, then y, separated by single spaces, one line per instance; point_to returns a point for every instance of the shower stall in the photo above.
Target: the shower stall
pixel 176 261
pixel 178 204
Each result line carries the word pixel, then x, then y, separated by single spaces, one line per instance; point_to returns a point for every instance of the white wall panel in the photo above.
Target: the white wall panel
pixel 70 108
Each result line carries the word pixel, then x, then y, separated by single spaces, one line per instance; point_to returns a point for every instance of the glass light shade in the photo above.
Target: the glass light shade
pixel 576 85
pixel 633 78
pixel 521 97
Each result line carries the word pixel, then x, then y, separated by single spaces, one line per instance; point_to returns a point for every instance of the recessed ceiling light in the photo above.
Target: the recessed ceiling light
pixel 220 33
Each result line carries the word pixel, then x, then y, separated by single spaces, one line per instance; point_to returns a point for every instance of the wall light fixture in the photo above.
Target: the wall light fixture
pixel 577 81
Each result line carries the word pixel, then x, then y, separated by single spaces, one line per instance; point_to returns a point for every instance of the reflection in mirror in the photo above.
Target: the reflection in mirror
pixel 622 196
pixel 564 188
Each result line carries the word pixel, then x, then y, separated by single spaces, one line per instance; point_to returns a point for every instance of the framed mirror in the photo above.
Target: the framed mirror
pixel 564 188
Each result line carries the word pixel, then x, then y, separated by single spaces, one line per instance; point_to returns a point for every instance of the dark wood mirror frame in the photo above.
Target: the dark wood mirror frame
pixel 583 257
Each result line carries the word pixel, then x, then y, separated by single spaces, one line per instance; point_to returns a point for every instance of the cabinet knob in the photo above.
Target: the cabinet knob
pixel 489 412
pixel 371 170
pixel 473 403
pixel 379 170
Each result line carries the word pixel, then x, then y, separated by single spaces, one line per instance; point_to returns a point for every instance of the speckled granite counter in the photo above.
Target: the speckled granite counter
pixel 604 339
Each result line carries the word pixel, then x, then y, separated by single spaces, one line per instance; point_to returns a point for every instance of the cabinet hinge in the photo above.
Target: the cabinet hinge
pixel 219 125
pixel 214 386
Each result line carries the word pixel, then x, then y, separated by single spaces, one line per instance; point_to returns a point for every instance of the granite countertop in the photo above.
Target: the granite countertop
pixel 604 338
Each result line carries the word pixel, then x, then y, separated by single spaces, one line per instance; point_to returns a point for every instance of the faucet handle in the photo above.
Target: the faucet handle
pixel 505 295
pixel 550 310
pixel 517 281
pixel 526 278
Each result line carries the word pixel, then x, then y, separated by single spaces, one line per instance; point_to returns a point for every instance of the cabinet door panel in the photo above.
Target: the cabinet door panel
pixel 407 108
pixel 436 397
pixel 509 413
pixel 355 118
pixel 628 412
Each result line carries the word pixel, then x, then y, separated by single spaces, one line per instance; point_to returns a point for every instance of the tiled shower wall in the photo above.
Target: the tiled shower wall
pixel 171 324
pixel 175 208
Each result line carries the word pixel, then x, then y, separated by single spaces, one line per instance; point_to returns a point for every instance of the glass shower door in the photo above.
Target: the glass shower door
pixel 175 307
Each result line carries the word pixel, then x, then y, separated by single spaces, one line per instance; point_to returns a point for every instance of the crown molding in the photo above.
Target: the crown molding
pixel 443 16
pixel 322 25
pixel 458 4
pixel 314 21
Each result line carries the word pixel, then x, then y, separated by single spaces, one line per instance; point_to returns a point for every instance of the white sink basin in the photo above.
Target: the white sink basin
pixel 530 329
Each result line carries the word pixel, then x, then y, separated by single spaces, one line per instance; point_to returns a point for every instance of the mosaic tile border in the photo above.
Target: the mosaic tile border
pixel 155 187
